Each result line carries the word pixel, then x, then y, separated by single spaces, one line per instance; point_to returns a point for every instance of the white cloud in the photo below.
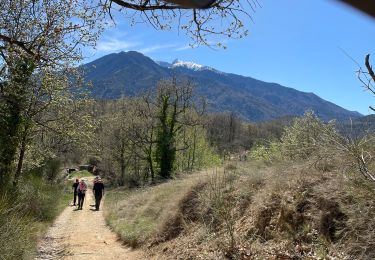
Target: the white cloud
pixel 113 45
pixel 157 48
pixel 183 48
pixel 116 44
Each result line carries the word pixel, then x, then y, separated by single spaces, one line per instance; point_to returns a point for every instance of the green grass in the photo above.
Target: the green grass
pixel 79 174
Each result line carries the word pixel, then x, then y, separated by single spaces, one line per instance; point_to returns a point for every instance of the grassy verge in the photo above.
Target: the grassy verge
pixel 26 214
pixel 139 215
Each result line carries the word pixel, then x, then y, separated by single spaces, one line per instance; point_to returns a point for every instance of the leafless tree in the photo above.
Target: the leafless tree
pixel 203 20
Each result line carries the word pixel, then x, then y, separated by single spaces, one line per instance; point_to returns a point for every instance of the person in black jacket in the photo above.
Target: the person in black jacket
pixel 98 191
pixel 75 186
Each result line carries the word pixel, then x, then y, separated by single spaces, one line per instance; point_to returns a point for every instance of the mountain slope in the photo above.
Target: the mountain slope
pixel 131 73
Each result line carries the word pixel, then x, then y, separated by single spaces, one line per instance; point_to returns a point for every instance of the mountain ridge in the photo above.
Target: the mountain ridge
pixel 131 73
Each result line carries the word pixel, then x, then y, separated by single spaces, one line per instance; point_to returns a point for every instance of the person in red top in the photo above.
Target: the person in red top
pixel 81 190
pixel 98 191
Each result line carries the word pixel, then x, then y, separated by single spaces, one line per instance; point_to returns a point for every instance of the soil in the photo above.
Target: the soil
pixel 83 234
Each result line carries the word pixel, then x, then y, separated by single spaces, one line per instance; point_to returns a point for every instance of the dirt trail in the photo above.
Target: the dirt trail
pixel 83 234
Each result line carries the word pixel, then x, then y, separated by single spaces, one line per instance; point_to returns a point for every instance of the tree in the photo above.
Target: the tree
pixel 203 4
pixel 226 132
pixel 49 32
pixel 143 134
pixel 200 19
pixel 12 106
pixel 174 101
pixel 39 43
pixel 125 140
pixel 367 77
pixel 41 40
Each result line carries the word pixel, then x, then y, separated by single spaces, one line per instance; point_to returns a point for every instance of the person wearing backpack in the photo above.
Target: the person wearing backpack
pixel 98 191
pixel 81 191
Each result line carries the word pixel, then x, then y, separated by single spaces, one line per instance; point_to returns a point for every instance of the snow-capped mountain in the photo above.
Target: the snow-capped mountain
pixel 131 74
pixel 186 64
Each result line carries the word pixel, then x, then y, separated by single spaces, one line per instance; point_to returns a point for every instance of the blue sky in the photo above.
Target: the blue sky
pixel 296 43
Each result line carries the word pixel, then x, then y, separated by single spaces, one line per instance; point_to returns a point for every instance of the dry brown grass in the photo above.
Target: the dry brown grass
pixel 282 212
pixel 152 214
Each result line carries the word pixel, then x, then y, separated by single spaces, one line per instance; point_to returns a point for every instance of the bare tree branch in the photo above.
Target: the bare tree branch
pixel 369 67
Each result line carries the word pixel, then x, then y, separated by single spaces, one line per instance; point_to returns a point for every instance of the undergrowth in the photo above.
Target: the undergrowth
pixel 26 213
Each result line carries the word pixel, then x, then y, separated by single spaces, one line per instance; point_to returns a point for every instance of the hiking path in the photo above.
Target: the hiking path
pixel 83 234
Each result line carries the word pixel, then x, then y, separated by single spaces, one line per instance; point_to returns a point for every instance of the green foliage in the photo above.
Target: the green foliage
pixel 306 136
pixel 268 154
pixel 13 102
pixel 165 149
pixel 197 153
pixel 140 140
pixel 52 169
pixel 174 106
pixel 80 174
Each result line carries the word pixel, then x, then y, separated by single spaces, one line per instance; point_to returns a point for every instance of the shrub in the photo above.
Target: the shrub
pixel 307 136
pixel 51 169
pixel 217 199
pixel 268 154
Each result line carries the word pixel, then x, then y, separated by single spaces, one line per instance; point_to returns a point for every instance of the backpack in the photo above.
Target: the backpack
pixel 82 187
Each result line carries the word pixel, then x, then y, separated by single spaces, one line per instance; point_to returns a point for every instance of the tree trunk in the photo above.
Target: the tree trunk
pixel 152 171
pixel 21 157
pixel 10 143
pixel 122 165
pixel 194 148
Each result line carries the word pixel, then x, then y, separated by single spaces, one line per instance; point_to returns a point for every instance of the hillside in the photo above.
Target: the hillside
pixel 131 73
pixel 357 127
pixel 315 217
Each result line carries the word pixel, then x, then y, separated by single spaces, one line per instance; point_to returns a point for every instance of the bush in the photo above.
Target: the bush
pixel 307 136
pixel 51 169
pixel 268 154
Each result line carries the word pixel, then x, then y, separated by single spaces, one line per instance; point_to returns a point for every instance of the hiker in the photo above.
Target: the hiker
pixel 98 191
pixel 75 186
pixel 81 190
